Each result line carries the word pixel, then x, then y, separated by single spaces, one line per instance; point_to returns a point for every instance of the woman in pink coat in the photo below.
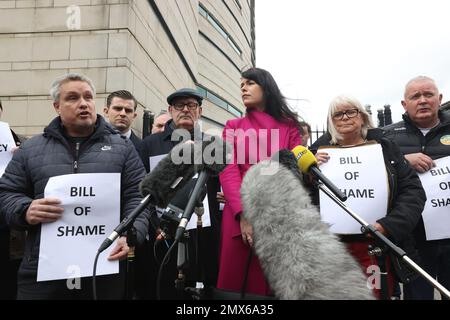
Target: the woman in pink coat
pixel 268 126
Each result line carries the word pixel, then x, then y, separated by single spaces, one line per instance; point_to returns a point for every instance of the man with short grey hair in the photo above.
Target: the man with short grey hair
pixel 423 136
pixel 76 141
pixel 160 122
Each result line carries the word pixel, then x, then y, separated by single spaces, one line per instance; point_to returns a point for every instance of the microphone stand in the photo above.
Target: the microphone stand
pixel 182 264
pixel 183 256
pixel 183 251
pixel 130 272
pixel 124 225
pixel 377 235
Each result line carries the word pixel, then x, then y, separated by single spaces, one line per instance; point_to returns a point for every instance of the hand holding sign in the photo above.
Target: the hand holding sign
pixel 420 162
pixel 322 157
pixel 44 210
pixel 360 173
pixel 14 149
pixel 91 203
pixel 436 183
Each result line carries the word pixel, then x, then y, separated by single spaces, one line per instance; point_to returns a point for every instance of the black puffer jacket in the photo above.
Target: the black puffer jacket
pixel 411 140
pixel 406 199
pixel 48 155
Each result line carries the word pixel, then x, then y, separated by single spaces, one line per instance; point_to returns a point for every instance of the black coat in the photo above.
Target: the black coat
pixel 208 239
pixel 137 142
pixel 50 154
pixel 411 140
pixel 407 197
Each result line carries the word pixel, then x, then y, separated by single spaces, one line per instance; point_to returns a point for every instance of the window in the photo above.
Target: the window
pixel 219 101
pixel 202 10
pixel 238 4
pixel 234 46
pixel 217 26
pixel 234 111
pixel 216 100
pixel 202 91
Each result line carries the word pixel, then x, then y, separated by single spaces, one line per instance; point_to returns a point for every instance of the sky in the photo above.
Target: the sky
pixel 318 49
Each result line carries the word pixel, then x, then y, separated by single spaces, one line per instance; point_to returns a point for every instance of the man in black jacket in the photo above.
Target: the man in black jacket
pixel 423 137
pixel 120 111
pixel 185 110
pixel 77 141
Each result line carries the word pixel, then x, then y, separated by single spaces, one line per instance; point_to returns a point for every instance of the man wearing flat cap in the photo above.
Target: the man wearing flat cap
pixel 185 110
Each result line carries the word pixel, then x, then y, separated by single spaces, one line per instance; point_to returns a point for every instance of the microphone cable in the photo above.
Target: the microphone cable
pixel 94 279
pixel 160 271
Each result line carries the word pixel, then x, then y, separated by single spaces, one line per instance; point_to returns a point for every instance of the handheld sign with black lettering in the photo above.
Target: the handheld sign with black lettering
pixel 436 215
pixel 6 145
pixel 361 175
pixel 91 203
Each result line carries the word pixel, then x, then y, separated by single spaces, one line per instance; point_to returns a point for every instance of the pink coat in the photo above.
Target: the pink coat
pixel 233 252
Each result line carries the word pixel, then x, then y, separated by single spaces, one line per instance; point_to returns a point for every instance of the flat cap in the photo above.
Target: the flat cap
pixel 185 92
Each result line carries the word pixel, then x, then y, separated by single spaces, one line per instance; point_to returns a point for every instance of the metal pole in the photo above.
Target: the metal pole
pixel 399 252
pixel 147 123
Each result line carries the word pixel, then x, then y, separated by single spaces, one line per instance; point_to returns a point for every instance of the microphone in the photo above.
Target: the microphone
pixel 307 163
pixel 171 174
pixel 213 159
pixel 160 185
pixel 300 258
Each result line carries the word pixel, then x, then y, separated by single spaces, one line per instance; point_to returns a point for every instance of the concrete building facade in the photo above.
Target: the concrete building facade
pixel 149 47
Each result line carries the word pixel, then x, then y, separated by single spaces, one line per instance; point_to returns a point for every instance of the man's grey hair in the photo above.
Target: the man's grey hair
pixel 347 100
pixel 419 79
pixel 56 85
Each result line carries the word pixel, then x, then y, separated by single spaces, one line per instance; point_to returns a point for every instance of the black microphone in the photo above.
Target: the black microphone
pixel 214 156
pixel 171 174
pixel 307 163
pixel 300 257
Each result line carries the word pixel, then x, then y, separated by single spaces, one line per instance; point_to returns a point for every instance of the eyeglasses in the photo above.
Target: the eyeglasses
pixel 191 106
pixel 349 113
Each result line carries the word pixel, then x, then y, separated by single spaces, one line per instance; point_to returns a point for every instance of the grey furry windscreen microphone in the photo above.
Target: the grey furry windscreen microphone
pixel 287 158
pixel 300 258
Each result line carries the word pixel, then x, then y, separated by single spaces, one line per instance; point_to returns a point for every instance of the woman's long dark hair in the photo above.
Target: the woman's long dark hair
pixel 276 104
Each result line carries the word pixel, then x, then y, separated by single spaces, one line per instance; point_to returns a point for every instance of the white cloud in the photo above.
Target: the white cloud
pixel 369 49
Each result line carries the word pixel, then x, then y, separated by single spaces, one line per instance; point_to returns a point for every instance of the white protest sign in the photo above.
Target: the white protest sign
pixel 6 145
pixel 192 224
pixel 436 214
pixel 360 173
pixel 91 203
